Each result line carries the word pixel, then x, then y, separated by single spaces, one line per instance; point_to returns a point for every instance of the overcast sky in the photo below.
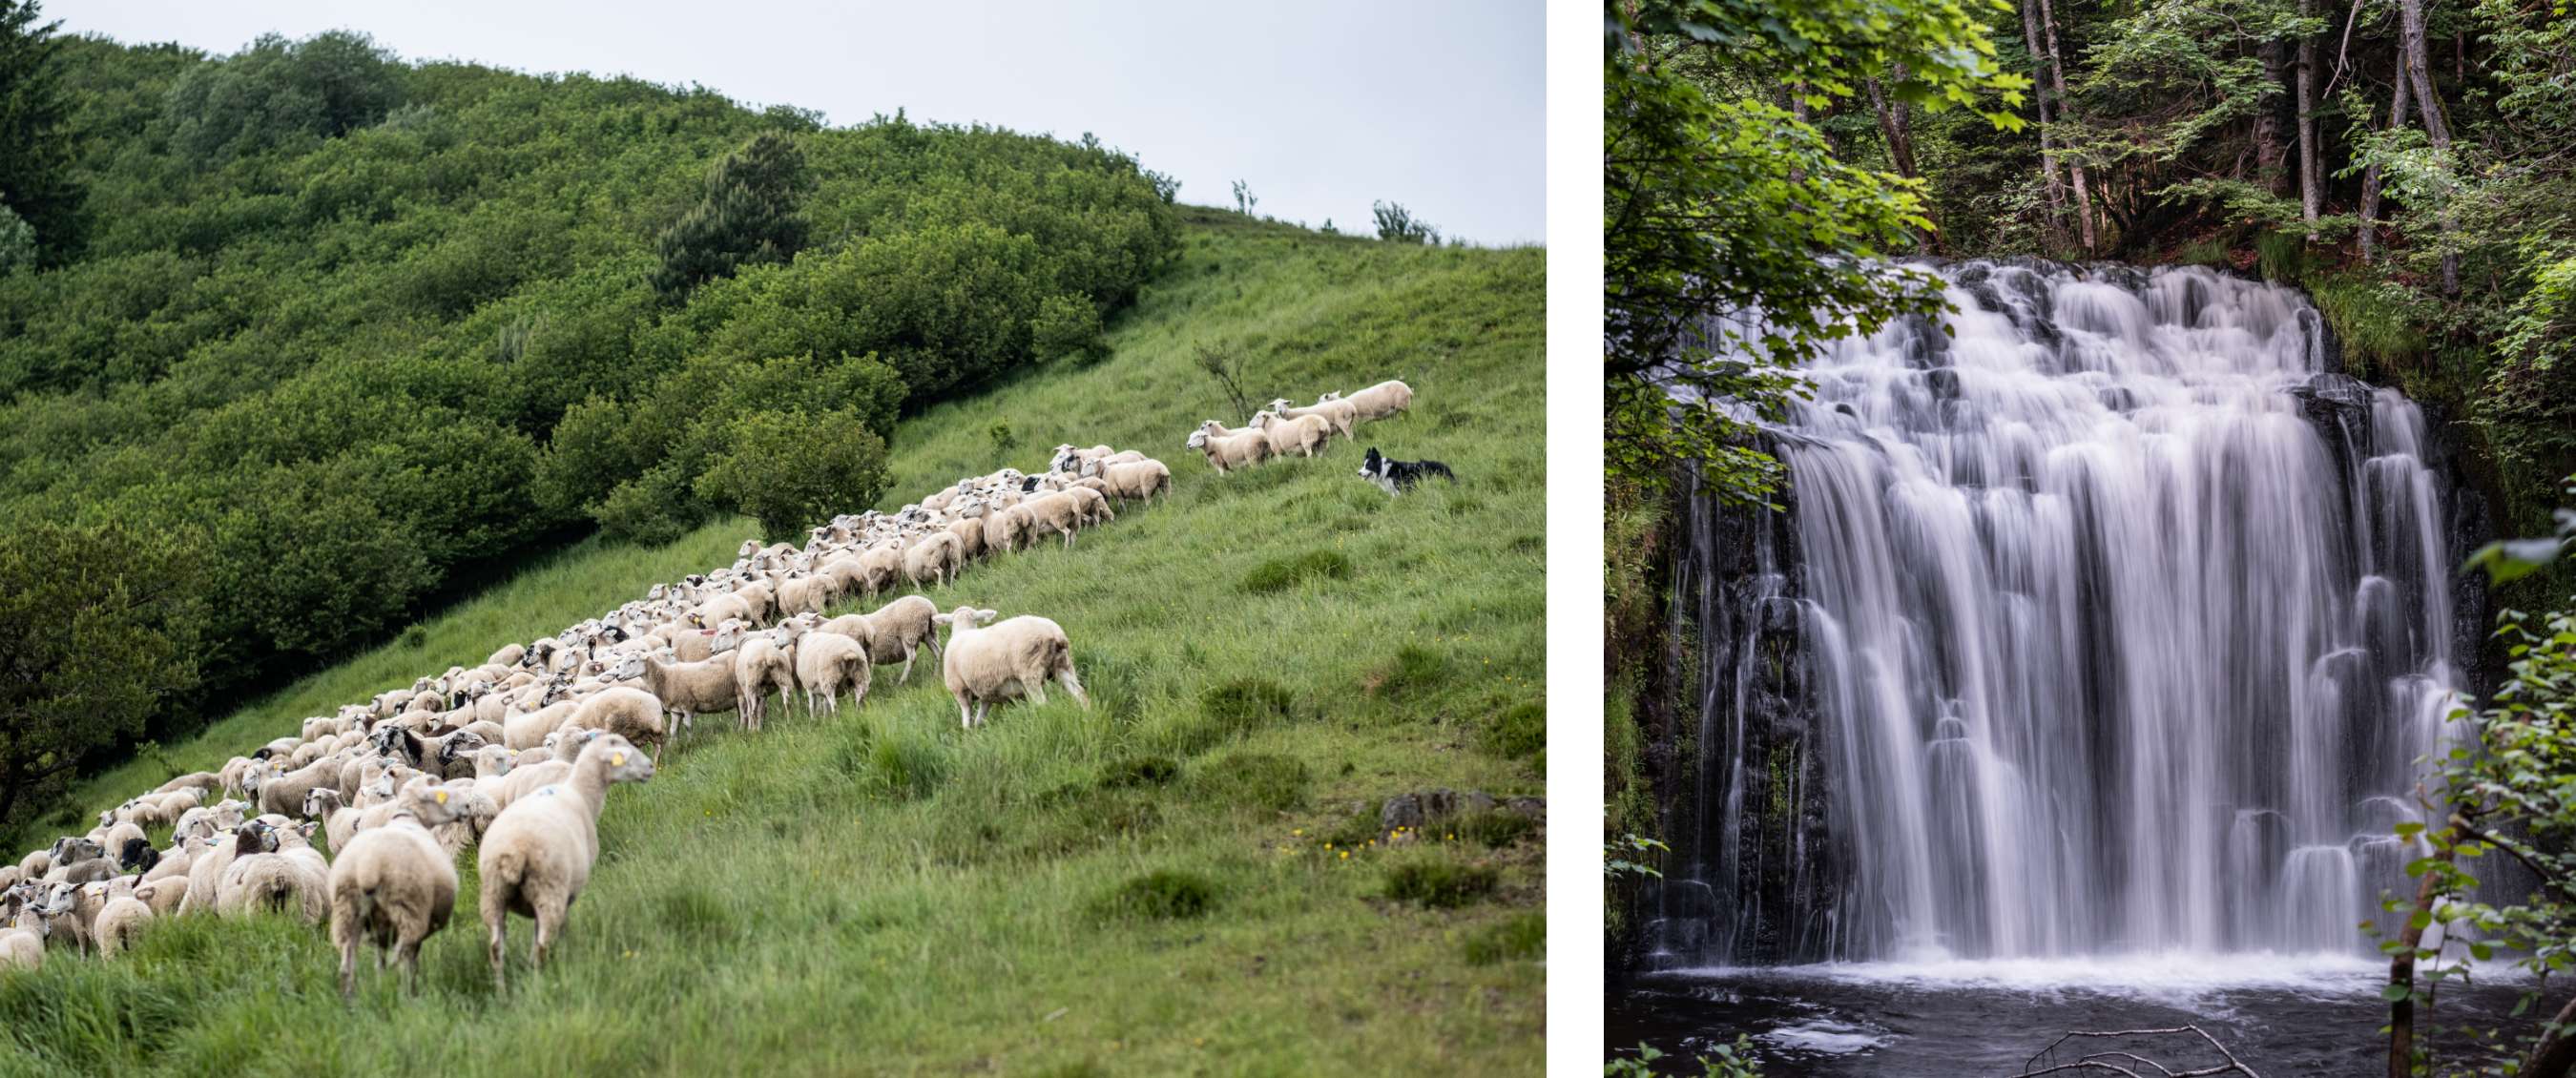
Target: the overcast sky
pixel 1323 105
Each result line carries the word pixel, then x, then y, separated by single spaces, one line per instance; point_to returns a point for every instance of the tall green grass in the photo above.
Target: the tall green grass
pixel 1137 888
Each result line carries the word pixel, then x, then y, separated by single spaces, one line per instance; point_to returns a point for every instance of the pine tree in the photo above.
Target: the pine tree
pixel 748 218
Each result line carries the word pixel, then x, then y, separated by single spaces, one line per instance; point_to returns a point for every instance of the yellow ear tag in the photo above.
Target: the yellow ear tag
pixel 616 759
pixel 442 797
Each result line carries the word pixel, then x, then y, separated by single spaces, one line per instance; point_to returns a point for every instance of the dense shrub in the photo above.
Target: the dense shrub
pixel 1440 884
pixel 793 470
pixel 1163 894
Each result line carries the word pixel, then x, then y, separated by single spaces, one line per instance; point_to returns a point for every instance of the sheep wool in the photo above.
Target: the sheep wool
pixel 393 887
pixel 537 856
pixel 985 663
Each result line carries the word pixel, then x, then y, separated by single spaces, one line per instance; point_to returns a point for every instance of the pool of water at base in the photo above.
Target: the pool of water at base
pixel 2285 1016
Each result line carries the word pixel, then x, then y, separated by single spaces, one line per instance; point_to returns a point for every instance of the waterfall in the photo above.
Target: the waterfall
pixel 2119 618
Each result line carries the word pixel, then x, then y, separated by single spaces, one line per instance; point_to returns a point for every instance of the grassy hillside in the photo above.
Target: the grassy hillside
pixel 878 891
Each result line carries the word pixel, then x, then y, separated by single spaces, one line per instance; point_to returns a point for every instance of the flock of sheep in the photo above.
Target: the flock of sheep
pixel 514 757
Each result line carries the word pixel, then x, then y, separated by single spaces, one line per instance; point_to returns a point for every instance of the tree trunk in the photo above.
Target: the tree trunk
pixel 2311 177
pixel 2410 23
pixel 2047 136
pixel 2270 155
pixel 1895 121
pixel 2555 1055
pixel 2401 971
pixel 2370 175
pixel 2074 164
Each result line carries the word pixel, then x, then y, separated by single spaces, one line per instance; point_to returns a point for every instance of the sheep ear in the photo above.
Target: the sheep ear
pixel 942 619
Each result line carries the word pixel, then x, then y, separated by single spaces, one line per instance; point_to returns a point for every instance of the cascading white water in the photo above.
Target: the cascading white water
pixel 2125 621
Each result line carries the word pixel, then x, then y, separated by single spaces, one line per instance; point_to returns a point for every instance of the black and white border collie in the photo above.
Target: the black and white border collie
pixel 1397 476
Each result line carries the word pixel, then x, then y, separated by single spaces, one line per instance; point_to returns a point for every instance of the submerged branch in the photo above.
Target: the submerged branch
pixel 2099 1061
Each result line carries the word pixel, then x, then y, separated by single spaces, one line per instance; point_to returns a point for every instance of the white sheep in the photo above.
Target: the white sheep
pixel 936 557
pixel 631 713
pixel 826 663
pixel 765 661
pixel 879 566
pixel 894 632
pixel 120 919
pixel 999 662
pixel 1059 511
pixel 1342 414
pixel 1005 528
pixel 537 856
pixel 286 873
pixel 22 942
pixel 688 689
pixel 1304 436
pixel 1138 479
pixel 969 532
pixel 394 886
pixel 805 594
pixel 1229 451
pixel 1378 401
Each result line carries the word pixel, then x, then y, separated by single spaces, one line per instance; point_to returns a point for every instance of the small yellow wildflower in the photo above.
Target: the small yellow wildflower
pixel 1346 855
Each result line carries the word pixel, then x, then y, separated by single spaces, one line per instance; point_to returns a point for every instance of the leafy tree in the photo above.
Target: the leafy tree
pixel 97 634
pixel 17 242
pixel 1243 198
pixel 35 147
pixel 748 218
pixel 2509 788
pixel 792 470
pixel 1065 326
pixel 1736 242
pixel 1396 223
pixel 277 92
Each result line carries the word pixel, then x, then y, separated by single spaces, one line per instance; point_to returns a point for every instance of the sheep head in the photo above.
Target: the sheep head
pixel 320 802
pixel 1198 440
pixel 137 856
pixel 432 805
pixel 624 762
pixel 254 837
pixel 964 617
pixel 460 743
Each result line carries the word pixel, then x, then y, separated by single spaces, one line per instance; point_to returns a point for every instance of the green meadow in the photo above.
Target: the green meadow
pixel 1184 879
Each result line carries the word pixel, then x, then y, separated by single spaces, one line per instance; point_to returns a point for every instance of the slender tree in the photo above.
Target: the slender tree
pixel 2048 164
pixel 2056 64
pixel 2370 178
pixel 2418 66
pixel 2311 179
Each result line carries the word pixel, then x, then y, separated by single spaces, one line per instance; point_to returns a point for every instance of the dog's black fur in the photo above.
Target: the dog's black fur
pixel 1397 476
